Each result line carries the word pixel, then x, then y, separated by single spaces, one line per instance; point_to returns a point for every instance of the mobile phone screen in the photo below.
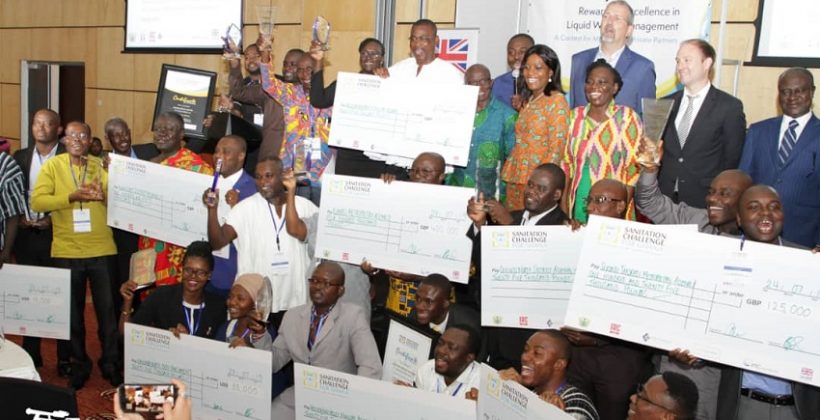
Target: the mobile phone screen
pixel 146 398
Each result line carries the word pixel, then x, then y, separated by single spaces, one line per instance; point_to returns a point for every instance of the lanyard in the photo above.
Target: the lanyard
pixel 277 229
pixel 439 380
pixel 193 326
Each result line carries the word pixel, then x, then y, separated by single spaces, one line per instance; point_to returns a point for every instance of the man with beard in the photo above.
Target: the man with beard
pixel 269 232
pixel 453 371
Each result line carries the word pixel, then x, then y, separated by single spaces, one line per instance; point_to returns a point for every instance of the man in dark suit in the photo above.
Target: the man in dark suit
pixel 704 135
pixel 118 135
pixel 541 198
pixel 433 307
pixel 782 152
pixel 637 71
pixel 33 243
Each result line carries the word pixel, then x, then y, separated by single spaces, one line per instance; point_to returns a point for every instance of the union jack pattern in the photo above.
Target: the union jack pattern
pixel 455 51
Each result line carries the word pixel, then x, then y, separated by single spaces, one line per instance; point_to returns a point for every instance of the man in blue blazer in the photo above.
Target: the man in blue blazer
pixel 637 71
pixel 783 152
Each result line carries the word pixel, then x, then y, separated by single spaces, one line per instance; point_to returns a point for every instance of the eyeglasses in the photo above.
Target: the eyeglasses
pixel 187 271
pixel 323 283
pixel 370 54
pixel 482 82
pixel 77 136
pixel 640 394
pixel 601 199
pixel 421 39
pixel 420 172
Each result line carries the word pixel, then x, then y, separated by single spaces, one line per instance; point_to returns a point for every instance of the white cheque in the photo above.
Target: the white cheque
pixel 404 119
pixel 757 308
pixel 35 301
pixel 403 226
pixel 507 400
pixel 158 201
pixel 526 274
pixel 327 394
pixel 224 383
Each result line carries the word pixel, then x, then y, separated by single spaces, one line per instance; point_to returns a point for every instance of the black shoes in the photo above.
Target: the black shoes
pixel 80 371
pixel 64 368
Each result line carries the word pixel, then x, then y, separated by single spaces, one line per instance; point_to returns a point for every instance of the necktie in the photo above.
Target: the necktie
pixel 787 144
pixel 686 120
pixel 314 329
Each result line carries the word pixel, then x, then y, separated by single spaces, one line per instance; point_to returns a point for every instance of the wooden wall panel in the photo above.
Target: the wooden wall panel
pixel 740 40
pixel 143 117
pixel 15 47
pixel 441 11
pixel 61 13
pixel 11 111
pixel 739 10
pixel 114 70
pixel 102 105
pixel 286 11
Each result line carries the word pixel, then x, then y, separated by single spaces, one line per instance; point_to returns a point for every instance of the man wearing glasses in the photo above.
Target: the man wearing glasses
pixel 326 333
pixel 72 186
pixel 666 396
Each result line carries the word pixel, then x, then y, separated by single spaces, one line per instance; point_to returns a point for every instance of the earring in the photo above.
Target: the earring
pixel 550 80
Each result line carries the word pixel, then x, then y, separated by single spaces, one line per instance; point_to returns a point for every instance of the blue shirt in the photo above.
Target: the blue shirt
pixel 504 88
pixel 766 384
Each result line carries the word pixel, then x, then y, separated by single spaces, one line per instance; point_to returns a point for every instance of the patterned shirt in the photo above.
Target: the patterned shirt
pixel 12 193
pixel 608 149
pixel 302 121
pixel 577 404
pixel 493 139
pixel 168 267
pixel 540 137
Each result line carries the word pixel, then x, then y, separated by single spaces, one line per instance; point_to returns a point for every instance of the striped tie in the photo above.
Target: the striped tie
pixel 686 121
pixel 787 144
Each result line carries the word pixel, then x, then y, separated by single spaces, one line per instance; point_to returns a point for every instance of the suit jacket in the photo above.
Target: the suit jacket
pixel 344 344
pixel 273 117
pixel 797 182
pixel 23 158
pixel 145 151
pixel 714 144
pixel 637 73
pixel 457 315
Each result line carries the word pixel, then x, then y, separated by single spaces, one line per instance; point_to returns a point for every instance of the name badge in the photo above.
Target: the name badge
pixel 258 119
pixel 315 148
pixel 82 220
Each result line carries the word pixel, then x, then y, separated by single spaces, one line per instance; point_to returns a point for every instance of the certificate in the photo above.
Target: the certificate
pixel 188 92
pixel 755 308
pixel 404 226
pixel 140 201
pixel 327 394
pixel 406 350
pixel 35 301
pixel 526 274
pixel 223 383
pixel 404 119
pixel 508 400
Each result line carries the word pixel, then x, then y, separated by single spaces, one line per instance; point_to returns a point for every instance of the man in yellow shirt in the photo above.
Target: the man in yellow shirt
pixel 72 186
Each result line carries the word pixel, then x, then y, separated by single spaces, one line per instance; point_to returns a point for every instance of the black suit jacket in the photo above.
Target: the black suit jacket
pixel 23 157
pixel 714 144
pixel 145 151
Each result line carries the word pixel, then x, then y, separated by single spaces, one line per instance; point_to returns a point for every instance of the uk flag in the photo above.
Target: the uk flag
pixel 455 51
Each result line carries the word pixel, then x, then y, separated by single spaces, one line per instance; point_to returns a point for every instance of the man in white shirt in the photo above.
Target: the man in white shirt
pixel 269 232
pixel 424 65
pixel 453 371
pixel 704 135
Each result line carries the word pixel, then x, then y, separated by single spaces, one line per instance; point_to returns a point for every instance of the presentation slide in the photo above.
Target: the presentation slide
pixel 179 24
pixel 788 31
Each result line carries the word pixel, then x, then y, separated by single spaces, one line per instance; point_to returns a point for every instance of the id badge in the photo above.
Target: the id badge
pixel 315 148
pixel 82 220
pixel 280 266
pixel 258 119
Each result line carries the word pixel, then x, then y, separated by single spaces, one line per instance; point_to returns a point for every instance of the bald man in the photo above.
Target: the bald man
pixel 606 369
pixel 325 332
pixel 493 138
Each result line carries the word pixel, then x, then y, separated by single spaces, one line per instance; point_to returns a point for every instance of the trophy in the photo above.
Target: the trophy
pixel 300 161
pixel 142 267
pixel 655 116
pixel 266 16
pixel 321 32
pixel 264 301
pixel 233 42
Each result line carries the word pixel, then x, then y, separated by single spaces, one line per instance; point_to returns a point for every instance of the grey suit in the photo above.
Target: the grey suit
pixel 661 210
pixel 344 344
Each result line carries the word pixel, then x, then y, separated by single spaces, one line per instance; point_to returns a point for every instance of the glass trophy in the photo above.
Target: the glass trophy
pixel 300 162
pixel 142 267
pixel 264 301
pixel 655 116
pixel 266 16
pixel 233 42
pixel 321 32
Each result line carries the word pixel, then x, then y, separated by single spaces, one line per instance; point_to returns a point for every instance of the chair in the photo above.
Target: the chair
pixel 31 400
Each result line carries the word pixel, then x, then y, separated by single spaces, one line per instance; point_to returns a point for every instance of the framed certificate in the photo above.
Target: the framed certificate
pixel 188 92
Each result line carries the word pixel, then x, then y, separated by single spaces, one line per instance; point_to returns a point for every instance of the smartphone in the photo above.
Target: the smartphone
pixel 146 398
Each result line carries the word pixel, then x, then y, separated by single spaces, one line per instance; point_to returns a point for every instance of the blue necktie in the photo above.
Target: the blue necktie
pixel 787 144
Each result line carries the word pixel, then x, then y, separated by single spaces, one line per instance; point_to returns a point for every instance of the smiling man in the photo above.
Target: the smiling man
pixel 669 396
pixel 453 371
pixel 424 65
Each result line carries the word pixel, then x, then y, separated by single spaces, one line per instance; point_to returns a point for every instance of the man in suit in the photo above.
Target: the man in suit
pixel 118 135
pixel 704 135
pixel 782 152
pixel 541 198
pixel 326 333
pixel 434 310
pixel 504 85
pixel 637 71
pixel 33 243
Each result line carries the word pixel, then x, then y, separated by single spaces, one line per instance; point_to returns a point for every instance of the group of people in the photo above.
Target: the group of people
pixel 538 156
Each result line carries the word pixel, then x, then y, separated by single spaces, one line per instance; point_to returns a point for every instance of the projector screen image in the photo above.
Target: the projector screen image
pixel 788 33
pixel 179 25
